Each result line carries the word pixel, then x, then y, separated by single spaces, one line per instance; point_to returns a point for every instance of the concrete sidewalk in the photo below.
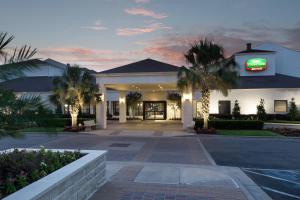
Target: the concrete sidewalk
pixel 281 125
pixel 138 180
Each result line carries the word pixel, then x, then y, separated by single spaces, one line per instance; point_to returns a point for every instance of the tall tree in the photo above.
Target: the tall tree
pixel 16 61
pixel 208 70
pixel 293 110
pixel 76 87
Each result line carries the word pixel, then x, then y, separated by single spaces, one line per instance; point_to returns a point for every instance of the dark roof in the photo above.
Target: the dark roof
pixel 277 81
pixel 55 63
pixel 29 84
pixel 147 65
pixel 255 51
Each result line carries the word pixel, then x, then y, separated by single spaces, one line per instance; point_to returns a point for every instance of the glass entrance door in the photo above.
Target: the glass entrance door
pixel 154 110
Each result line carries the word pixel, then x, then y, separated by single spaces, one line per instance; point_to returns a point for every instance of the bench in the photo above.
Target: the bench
pixel 90 124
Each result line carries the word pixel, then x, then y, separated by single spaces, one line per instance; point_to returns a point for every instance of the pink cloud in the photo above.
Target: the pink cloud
pixel 138 31
pixel 91 58
pixel 145 12
pixel 97 26
pixel 171 48
pixel 141 1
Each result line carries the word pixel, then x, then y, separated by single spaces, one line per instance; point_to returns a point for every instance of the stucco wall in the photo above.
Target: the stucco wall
pixel 249 99
pixel 271 64
pixel 287 60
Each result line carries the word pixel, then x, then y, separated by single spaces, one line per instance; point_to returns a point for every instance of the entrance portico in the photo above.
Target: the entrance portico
pixel 154 80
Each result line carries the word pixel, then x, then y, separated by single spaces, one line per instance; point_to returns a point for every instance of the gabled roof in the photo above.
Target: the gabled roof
pixel 55 63
pixel 29 84
pixel 277 81
pixel 147 65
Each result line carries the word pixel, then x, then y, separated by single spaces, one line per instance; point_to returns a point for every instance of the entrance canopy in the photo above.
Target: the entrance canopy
pixel 148 76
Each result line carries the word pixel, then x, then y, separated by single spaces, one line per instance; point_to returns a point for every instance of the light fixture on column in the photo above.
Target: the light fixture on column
pixel 187 96
pixel 98 97
pixel 122 99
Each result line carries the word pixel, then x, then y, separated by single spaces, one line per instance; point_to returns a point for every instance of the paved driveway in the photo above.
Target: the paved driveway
pixel 180 150
pixel 152 167
pixel 272 163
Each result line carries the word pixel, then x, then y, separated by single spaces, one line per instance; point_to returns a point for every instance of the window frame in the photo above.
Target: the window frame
pixel 281 100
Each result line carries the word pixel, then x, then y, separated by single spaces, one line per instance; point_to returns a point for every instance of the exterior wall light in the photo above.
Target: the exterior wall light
pixel 122 99
pixel 99 97
pixel 187 96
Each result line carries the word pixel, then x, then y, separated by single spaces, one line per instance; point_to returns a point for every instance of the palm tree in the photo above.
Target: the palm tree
pixel 14 64
pixel 209 70
pixel 76 87
pixel 16 112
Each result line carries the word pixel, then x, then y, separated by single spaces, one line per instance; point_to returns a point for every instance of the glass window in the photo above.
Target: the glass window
pixel 115 107
pixel 86 109
pixel 280 106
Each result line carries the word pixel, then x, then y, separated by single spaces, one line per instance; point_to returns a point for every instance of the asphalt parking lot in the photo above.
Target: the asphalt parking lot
pixel 274 164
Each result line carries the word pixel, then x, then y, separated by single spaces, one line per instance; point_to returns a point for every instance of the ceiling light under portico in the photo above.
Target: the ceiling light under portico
pixel 143 87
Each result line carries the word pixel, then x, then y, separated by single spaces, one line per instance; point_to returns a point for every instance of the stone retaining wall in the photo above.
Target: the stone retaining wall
pixel 77 181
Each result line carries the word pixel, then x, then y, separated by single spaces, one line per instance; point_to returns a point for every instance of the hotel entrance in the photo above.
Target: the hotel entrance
pixel 154 110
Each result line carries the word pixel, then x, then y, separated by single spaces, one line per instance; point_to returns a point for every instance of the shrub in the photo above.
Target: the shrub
pixel 58 122
pixel 293 111
pixel 236 111
pixel 20 168
pixel 261 112
pixel 231 124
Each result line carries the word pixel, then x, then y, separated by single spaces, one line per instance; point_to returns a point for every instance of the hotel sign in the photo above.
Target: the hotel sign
pixel 256 64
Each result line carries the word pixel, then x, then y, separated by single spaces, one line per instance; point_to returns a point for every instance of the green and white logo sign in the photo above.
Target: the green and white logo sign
pixel 256 64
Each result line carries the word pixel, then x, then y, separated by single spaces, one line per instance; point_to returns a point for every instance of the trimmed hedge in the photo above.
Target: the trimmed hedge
pixel 252 117
pixel 231 124
pixel 58 122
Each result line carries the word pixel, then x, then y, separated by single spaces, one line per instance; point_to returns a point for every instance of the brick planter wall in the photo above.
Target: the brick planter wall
pixel 78 180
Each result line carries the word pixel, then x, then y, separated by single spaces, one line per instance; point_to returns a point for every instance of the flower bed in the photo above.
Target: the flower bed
pixel 287 132
pixel 19 168
pixel 78 179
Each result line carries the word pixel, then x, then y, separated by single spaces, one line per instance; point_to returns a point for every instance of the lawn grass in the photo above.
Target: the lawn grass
pixel 43 129
pixel 247 133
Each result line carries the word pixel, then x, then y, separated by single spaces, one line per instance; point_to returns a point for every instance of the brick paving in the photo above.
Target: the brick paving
pixel 122 187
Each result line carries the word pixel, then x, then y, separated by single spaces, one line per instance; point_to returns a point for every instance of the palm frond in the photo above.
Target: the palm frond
pixel 16 63
pixel 208 68
pixel 4 41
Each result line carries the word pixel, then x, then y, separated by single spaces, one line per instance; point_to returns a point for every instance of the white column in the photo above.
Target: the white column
pixel 122 107
pixel 187 108
pixel 101 109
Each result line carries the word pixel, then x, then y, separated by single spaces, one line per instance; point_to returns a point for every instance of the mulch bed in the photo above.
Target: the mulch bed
pixel 287 132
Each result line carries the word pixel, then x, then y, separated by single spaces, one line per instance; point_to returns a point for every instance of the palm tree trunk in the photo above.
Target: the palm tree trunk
pixel 62 107
pixel 205 106
pixel 74 110
pixel 74 120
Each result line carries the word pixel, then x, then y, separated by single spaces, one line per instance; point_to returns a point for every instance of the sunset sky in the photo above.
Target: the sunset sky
pixel 101 34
